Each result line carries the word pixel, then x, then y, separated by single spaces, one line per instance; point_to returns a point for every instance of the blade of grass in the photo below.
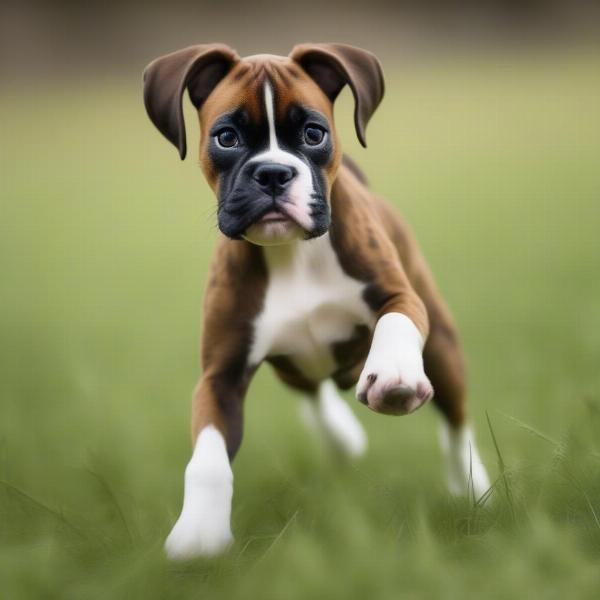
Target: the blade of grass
pixel 277 538
pixel 113 499
pixel 536 433
pixel 575 483
pixel 486 495
pixel 58 515
pixel 530 429
pixel 501 467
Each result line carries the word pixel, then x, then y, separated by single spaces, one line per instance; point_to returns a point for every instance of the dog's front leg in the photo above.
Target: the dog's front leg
pixel 393 379
pixel 203 528
pixel 233 298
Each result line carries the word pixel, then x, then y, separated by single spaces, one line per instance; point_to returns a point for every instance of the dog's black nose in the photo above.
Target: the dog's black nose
pixel 273 178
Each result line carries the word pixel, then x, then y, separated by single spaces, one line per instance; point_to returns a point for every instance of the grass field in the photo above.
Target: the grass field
pixel 104 243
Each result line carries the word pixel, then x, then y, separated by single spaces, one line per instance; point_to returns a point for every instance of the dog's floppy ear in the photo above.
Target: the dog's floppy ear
pixel 332 66
pixel 197 68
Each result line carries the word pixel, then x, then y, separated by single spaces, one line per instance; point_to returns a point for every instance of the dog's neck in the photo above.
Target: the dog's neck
pixel 301 254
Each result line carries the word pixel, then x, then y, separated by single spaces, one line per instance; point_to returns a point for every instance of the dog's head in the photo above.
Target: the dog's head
pixel 268 147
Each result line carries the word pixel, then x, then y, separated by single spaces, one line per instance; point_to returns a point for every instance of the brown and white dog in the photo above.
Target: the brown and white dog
pixel 314 273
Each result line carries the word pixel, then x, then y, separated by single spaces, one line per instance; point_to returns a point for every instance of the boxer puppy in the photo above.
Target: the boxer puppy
pixel 313 273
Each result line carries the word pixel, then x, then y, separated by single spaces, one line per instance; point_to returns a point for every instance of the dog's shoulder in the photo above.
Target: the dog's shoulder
pixel 362 217
pixel 352 195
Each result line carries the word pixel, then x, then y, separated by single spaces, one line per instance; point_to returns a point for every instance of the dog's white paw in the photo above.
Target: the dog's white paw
pixel 466 474
pixel 393 380
pixel 203 528
pixel 194 536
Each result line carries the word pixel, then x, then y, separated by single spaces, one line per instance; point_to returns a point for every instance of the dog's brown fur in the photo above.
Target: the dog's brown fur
pixel 373 245
pixel 234 298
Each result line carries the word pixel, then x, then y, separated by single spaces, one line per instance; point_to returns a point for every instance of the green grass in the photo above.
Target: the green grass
pixel 104 243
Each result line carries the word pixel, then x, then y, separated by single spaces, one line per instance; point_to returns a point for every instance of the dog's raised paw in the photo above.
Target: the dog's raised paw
pixel 393 381
pixel 390 395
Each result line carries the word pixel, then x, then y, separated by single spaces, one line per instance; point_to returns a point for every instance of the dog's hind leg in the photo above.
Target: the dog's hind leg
pixel 444 366
pixel 331 416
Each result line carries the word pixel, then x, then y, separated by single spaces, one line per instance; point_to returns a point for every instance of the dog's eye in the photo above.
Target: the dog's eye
pixel 313 135
pixel 227 138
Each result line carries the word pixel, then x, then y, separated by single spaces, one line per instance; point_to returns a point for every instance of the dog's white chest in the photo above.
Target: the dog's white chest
pixel 310 303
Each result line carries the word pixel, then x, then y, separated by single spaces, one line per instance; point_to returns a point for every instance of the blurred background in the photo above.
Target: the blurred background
pixel 488 141
pixel 65 37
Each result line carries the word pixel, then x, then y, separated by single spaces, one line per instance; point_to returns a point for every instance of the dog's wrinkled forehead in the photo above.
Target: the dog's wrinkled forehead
pixel 244 87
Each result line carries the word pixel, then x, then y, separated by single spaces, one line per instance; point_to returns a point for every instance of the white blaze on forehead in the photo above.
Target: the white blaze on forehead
pixel 270 116
pixel 299 198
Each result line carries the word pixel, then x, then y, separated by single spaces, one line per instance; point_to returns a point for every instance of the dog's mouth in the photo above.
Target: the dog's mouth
pixel 274 216
pixel 267 220
pixel 274 227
